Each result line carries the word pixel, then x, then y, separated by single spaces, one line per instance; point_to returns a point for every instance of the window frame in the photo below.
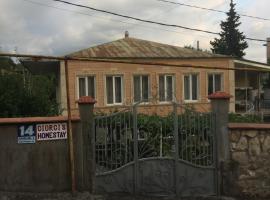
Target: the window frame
pixel 141 88
pixel 86 85
pixel 113 82
pixel 221 81
pixel 190 89
pixel 165 88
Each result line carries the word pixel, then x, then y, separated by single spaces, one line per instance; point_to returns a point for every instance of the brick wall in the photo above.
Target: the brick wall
pixel 100 70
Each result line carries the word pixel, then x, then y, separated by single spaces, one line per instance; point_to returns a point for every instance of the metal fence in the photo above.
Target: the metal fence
pixel 120 135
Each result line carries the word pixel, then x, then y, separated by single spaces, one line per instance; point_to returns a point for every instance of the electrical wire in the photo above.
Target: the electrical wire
pixel 108 19
pixel 149 21
pixel 211 9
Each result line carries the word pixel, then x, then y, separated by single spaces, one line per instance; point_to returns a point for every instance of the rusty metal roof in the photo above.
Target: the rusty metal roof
pixel 136 48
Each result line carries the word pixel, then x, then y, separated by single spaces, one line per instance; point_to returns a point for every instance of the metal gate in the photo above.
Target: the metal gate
pixel 156 154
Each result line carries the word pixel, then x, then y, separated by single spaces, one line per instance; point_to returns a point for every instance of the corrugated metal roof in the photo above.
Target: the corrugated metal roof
pixel 136 48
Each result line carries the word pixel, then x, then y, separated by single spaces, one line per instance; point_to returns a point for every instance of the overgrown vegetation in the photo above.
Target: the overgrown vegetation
pixel 244 118
pixel 155 137
pixel 23 94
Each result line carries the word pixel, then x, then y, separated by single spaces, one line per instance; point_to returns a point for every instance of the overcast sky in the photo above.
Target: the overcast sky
pixel 57 29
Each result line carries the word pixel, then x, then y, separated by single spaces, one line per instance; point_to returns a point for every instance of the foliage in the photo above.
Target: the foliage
pixel 25 95
pixel 232 41
pixel 244 118
pixel 156 137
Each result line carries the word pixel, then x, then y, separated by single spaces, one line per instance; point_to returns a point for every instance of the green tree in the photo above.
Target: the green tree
pixel 232 41
pixel 25 94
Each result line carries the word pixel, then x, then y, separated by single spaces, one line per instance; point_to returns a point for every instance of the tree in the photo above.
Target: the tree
pixel 24 95
pixel 232 41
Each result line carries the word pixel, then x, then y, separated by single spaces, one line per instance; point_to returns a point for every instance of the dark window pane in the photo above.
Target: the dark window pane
pixel 109 86
pixel 161 88
pixel 217 82
pixel 118 89
pixel 194 87
pixel 137 89
pixel 210 84
pixel 82 90
pixel 145 88
pixel 186 88
pixel 91 86
pixel 169 88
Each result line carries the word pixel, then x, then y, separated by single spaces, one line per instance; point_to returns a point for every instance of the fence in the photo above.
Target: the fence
pixel 135 142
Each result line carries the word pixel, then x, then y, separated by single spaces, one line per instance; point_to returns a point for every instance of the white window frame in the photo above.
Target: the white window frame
pixel 190 89
pixel 122 90
pixel 221 81
pixel 86 85
pixel 165 87
pixel 141 88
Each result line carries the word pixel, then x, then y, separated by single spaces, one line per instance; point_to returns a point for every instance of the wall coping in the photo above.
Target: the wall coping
pixel 37 119
pixel 248 126
pixel 219 95
pixel 86 100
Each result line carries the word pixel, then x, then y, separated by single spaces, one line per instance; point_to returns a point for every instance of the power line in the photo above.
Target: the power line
pixel 211 9
pixel 132 62
pixel 148 21
pixel 104 18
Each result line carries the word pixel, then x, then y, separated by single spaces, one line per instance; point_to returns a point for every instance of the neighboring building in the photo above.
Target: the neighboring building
pixel 116 85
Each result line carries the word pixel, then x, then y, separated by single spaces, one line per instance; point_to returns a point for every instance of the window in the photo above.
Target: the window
pixel 214 83
pixel 166 87
pixel 86 86
pixel 114 89
pixel 141 88
pixel 191 84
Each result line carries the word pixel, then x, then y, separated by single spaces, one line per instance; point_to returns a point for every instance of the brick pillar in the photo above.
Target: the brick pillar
pixel 86 107
pixel 220 102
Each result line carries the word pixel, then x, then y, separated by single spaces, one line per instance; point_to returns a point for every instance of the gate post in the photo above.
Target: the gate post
pixel 87 150
pixel 220 107
pixel 135 146
pixel 176 146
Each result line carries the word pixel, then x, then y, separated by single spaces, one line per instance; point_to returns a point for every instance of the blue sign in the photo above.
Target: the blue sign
pixel 27 134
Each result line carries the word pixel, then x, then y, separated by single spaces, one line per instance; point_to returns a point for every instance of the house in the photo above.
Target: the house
pixel 132 70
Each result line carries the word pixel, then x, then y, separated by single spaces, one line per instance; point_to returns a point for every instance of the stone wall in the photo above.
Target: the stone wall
pixel 250 160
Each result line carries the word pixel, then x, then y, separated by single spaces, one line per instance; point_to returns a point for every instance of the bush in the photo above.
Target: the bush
pixel 244 118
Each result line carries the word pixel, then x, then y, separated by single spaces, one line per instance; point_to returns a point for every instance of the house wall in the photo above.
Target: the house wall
pixel 100 70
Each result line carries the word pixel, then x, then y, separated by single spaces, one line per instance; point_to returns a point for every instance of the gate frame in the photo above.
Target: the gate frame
pixel 220 107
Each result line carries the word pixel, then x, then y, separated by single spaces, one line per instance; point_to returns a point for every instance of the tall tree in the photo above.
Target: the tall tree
pixel 232 41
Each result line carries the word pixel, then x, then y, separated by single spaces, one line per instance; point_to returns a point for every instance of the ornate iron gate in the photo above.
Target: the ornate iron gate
pixel 158 154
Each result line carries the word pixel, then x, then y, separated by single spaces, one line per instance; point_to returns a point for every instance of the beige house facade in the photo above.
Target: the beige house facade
pixel 121 73
pixel 181 75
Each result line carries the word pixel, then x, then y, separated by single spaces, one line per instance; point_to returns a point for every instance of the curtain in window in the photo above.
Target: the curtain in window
pixel 145 88
pixel 186 88
pixel 210 84
pixel 169 89
pixel 118 89
pixel 161 88
pixel 109 87
pixel 217 82
pixel 137 89
pixel 91 86
pixel 194 87
pixel 82 89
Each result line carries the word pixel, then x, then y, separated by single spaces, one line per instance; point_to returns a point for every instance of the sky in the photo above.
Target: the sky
pixel 52 28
